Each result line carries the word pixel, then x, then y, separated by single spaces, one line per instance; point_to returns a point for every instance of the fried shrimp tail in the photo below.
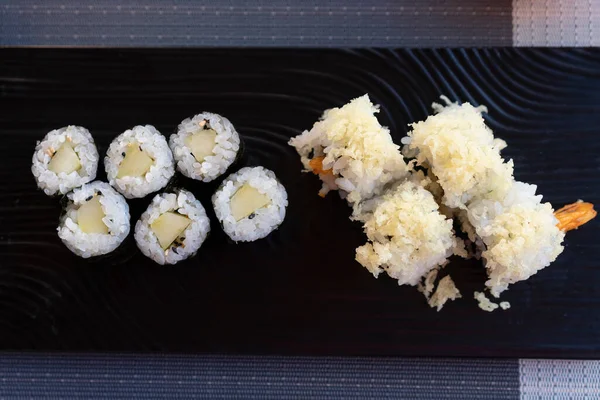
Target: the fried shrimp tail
pixel 572 216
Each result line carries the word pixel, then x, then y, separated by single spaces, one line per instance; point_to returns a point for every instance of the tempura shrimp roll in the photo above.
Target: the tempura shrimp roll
pixel 351 152
pixel 516 234
pixel 408 237
pixel 520 235
pixel 462 153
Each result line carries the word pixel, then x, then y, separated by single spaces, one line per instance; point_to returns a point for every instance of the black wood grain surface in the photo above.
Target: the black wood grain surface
pixel 300 290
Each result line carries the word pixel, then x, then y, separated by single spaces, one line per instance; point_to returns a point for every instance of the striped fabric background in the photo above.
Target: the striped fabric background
pixel 311 23
pixel 153 377
pixel 381 23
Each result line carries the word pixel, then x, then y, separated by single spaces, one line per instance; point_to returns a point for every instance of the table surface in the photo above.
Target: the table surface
pixel 274 296
pixel 283 23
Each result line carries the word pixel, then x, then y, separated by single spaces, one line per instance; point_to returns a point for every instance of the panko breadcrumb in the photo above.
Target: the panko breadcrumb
pixel 408 237
pixel 407 214
pixel 484 303
pixel 462 153
pixel 519 233
pixel 515 232
pixel 350 151
pixel 446 290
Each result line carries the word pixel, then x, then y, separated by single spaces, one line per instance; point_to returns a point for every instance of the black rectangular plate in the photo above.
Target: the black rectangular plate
pixel 300 290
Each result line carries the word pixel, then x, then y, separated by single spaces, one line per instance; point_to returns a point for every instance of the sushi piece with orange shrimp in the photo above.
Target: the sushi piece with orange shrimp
pixel 516 233
pixel 351 152
pixel 408 236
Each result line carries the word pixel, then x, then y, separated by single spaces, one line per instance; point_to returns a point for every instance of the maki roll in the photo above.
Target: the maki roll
pixel 65 159
pixel 461 152
pixel 95 221
pixel 205 146
pixel 408 237
pixel 515 232
pixel 250 204
pixel 172 228
pixel 139 162
pixel 519 235
pixel 351 152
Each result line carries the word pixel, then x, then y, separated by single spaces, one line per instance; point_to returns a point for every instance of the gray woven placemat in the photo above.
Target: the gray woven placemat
pixel 559 379
pixel 556 23
pixel 155 376
pixel 353 23
pixel 115 376
pixel 381 23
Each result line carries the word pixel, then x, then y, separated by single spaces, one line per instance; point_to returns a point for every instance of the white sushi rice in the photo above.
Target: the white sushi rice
pixel 484 303
pixel 519 234
pixel 515 233
pixel 190 240
pixel 427 284
pixel 462 153
pixel 227 145
pixel 83 144
pixel 408 237
pixel 264 220
pixel 359 151
pixel 446 290
pixel 155 145
pixel 116 220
